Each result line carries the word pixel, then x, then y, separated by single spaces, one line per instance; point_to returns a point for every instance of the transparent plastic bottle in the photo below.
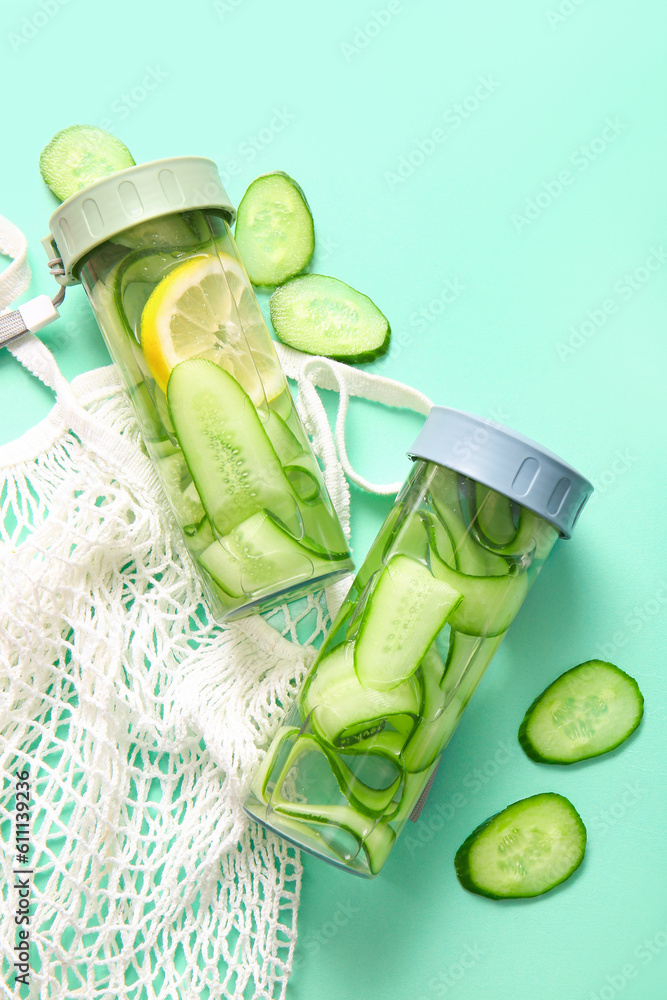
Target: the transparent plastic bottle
pixel 441 585
pixel 153 249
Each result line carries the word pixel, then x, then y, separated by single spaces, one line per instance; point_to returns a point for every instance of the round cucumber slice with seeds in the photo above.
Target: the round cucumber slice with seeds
pixel 587 711
pixel 530 847
pixel 324 316
pixel 274 229
pixel 78 155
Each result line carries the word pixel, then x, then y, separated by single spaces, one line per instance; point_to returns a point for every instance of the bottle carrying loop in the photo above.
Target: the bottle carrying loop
pixel 35 314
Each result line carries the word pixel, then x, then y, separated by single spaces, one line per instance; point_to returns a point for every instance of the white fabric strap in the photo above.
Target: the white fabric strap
pixel 14 279
pixel 310 371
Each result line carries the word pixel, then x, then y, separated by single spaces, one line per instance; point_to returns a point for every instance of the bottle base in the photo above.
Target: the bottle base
pixel 308 839
pixel 223 613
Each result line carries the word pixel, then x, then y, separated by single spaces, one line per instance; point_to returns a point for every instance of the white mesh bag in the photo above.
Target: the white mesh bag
pixel 139 719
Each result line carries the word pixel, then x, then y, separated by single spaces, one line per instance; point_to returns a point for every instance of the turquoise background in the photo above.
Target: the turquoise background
pixel 493 176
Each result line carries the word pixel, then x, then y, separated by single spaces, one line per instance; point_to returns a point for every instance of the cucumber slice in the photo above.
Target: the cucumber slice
pixel 446 696
pixel 403 615
pixel 274 229
pixel 285 443
pixel 369 801
pixel 258 555
pixel 527 849
pixel 303 481
pixel 233 465
pixel 264 772
pixel 176 480
pixel 435 723
pixel 376 839
pixel 322 315
pixel 494 514
pixel 378 740
pixel 489 603
pixel 78 155
pixel 468 555
pixel 412 537
pixel 200 537
pixel 340 708
pixel 587 711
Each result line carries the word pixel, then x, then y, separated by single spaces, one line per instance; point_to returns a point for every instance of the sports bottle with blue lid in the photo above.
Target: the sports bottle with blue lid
pixel 441 585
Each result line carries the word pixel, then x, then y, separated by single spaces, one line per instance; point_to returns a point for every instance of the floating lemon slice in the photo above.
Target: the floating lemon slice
pixel 193 312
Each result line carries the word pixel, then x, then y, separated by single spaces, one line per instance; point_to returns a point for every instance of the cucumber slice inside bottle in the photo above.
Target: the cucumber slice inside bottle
pixel 176 478
pixel 78 155
pixel 468 555
pixel 274 229
pixel 489 603
pixel 587 711
pixel 494 514
pixel 232 462
pixel 403 615
pixel 322 315
pixel 340 708
pixel 257 556
pixel 285 443
pixel 527 849
pixel 369 801
pixel 374 838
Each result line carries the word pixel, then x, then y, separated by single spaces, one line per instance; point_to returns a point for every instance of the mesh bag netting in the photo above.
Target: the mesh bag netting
pixel 140 721
pixel 137 719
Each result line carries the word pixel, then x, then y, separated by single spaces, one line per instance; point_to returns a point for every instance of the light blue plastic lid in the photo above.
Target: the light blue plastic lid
pixel 504 461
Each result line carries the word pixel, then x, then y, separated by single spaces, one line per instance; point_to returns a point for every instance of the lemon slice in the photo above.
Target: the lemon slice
pixel 203 308
pixel 184 315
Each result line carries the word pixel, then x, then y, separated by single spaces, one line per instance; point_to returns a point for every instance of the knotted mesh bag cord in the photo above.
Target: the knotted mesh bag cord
pixel 139 719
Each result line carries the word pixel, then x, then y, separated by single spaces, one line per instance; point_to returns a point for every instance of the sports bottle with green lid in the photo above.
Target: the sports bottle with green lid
pixel 442 583
pixel 152 247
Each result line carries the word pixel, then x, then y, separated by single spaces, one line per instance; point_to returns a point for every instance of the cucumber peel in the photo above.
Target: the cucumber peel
pixel 587 711
pixel 323 316
pixel 78 155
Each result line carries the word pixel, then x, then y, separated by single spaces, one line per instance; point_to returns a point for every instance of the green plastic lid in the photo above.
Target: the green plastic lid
pixel 124 199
